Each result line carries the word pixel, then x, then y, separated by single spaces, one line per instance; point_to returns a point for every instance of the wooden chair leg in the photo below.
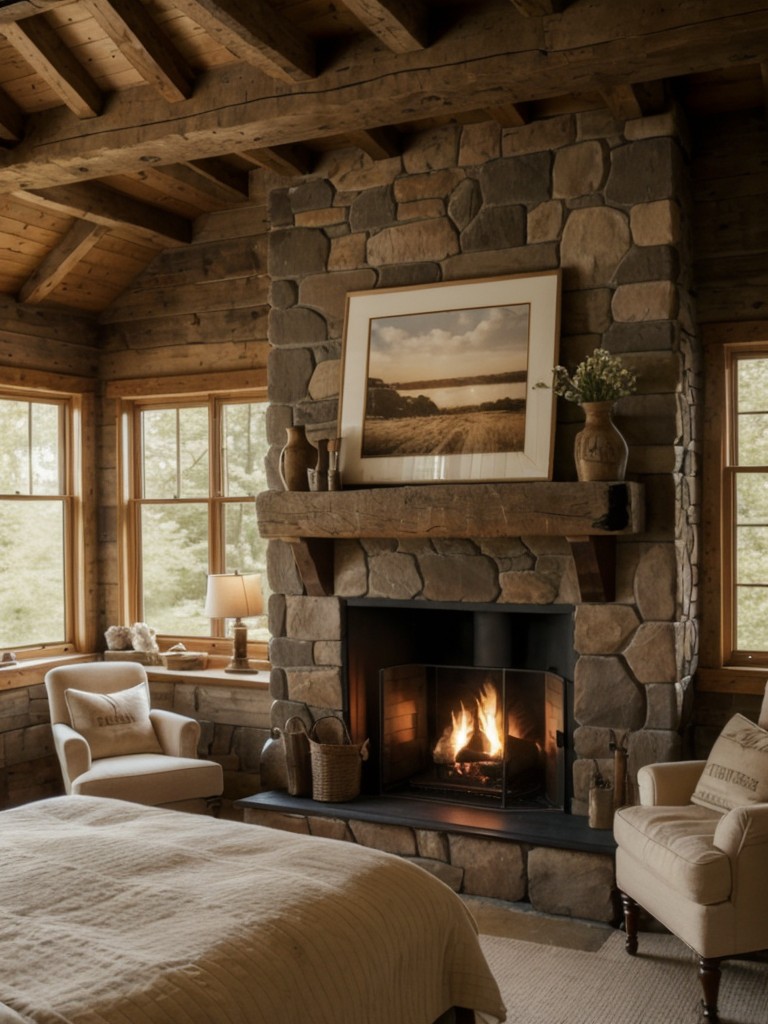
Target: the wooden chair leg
pixel 709 973
pixel 631 915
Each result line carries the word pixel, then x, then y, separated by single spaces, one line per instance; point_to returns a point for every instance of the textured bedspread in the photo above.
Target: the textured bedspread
pixel 112 913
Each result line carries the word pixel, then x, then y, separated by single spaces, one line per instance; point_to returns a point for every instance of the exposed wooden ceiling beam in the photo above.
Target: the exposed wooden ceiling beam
pixel 230 180
pixel 143 45
pixel 474 65
pixel 289 161
pixel 198 186
pixel 509 115
pixel 102 205
pixel 73 247
pixel 42 49
pixel 377 143
pixel 256 34
pixel 627 101
pixel 18 10
pixel 11 119
pixel 400 24
pixel 539 8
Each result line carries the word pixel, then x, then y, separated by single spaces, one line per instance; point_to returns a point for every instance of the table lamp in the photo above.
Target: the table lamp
pixel 232 596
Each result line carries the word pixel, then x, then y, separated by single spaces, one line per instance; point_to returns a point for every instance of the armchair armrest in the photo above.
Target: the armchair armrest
pixel 177 734
pixel 669 783
pixel 73 752
pixel 742 827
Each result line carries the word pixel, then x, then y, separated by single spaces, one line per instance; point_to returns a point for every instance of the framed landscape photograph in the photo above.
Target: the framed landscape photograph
pixel 439 381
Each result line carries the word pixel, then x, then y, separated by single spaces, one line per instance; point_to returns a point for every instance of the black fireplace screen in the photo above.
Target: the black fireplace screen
pixel 464 734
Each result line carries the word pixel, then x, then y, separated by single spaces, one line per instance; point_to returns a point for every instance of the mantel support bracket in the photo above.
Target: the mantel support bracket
pixel 595 559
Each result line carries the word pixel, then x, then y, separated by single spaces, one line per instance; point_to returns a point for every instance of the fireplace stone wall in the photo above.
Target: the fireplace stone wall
pixel 607 203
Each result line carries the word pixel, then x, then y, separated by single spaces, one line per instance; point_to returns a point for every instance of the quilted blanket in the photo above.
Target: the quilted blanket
pixel 113 913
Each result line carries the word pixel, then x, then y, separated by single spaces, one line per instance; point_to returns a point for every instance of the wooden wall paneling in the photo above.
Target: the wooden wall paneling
pixel 222 260
pixel 182 358
pixel 78 241
pixel 219 326
pixel 237 293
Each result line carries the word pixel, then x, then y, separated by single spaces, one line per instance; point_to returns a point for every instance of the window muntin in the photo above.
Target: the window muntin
pixel 199 465
pixel 36 522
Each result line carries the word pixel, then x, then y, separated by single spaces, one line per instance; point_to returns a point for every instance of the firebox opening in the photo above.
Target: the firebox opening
pixel 493 736
pixel 454 649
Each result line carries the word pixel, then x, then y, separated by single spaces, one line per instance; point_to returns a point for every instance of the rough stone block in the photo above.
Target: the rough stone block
pixel 606 695
pixel 372 210
pixel 320 686
pixel 517 179
pixel 572 883
pixel 347 251
pixel 479 143
pixel 294 252
pixel 433 150
pixel 528 588
pixel 394 575
pixel 433 845
pixel 434 185
pixel 459 578
pixel 495 228
pixel 491 867
pixel 643 172
pixel 646 300
pixel 544 134
pixel 655 223
pixel 389 838
pixel 296 327
pixel 273 819
pixel 413 243
pixel 652 653
pixel 326 380
pixel 313 618
pixel 603 628
pixel 655 584
pixel 330 828
pixel 595 241
pixel 288 374
pixel 327 292
pixel 580 169
pixel 545 222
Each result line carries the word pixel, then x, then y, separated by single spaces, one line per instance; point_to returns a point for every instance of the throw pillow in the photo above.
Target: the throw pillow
pixel 114 723
pixel 736 772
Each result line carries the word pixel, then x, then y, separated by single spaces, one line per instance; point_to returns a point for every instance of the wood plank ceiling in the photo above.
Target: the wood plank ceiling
pixel 123 121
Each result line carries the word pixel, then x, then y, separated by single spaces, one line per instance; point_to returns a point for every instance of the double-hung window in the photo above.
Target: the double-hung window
pixel 190 469
pixel 745 505
pixel 42 563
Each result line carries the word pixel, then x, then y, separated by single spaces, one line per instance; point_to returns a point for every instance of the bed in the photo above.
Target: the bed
pixel 115 913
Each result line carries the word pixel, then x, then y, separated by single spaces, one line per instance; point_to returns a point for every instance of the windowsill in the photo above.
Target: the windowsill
pixel 732 679
pixel 215 676
pixel 31 672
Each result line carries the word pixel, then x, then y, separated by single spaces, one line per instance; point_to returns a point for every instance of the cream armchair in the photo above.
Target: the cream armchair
pixel 111 743
pixel 698 870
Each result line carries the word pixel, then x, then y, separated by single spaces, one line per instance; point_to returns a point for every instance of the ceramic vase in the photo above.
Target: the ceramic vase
pixel 298 455
pixel 599 450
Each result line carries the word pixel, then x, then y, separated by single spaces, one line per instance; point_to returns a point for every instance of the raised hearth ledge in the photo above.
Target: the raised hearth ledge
pixel 589 515
pixel 539 828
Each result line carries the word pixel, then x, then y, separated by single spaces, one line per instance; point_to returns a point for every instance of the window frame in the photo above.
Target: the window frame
pixel 722 668
pixel 132 397
pixel 76 396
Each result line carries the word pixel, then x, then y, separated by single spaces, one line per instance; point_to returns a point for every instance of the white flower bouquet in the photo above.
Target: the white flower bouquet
pixel 598 378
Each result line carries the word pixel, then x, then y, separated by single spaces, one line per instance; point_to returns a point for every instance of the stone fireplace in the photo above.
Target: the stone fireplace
pixel 606 203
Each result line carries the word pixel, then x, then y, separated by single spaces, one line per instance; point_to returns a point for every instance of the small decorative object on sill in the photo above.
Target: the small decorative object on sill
pixel 132 643
pixel 334 473
pixel 600 801
pixel 600 451
pixel 298 455
pixel 336 766
pixel 8 658
pixel 179 658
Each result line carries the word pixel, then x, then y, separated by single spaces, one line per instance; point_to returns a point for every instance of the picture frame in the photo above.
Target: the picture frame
pixel 439 381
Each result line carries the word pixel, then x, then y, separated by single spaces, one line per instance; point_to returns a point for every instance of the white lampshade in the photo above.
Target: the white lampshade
pixel 232 596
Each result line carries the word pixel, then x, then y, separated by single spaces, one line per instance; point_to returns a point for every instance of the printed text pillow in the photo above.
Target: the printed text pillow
pixel 736 772
pixel 114 723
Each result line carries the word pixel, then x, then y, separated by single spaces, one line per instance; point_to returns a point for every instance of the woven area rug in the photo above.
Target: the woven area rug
pixel 550 985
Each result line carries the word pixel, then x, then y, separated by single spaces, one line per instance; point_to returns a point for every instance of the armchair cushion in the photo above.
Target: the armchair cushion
pixel 736 772
pixel 675 844
pixel 114 723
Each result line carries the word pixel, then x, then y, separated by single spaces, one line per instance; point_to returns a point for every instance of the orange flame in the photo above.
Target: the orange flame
pixel 486 725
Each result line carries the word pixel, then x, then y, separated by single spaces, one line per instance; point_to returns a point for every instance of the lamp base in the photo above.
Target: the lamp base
pixel 238 665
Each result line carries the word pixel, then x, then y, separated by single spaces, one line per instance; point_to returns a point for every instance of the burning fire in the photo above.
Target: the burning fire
pixel 481 731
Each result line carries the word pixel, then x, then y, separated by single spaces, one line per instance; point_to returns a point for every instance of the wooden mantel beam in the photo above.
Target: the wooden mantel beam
pixel 478 63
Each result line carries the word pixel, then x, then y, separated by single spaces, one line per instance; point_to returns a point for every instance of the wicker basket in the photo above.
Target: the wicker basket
pixel 336 767
pixel 297 762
